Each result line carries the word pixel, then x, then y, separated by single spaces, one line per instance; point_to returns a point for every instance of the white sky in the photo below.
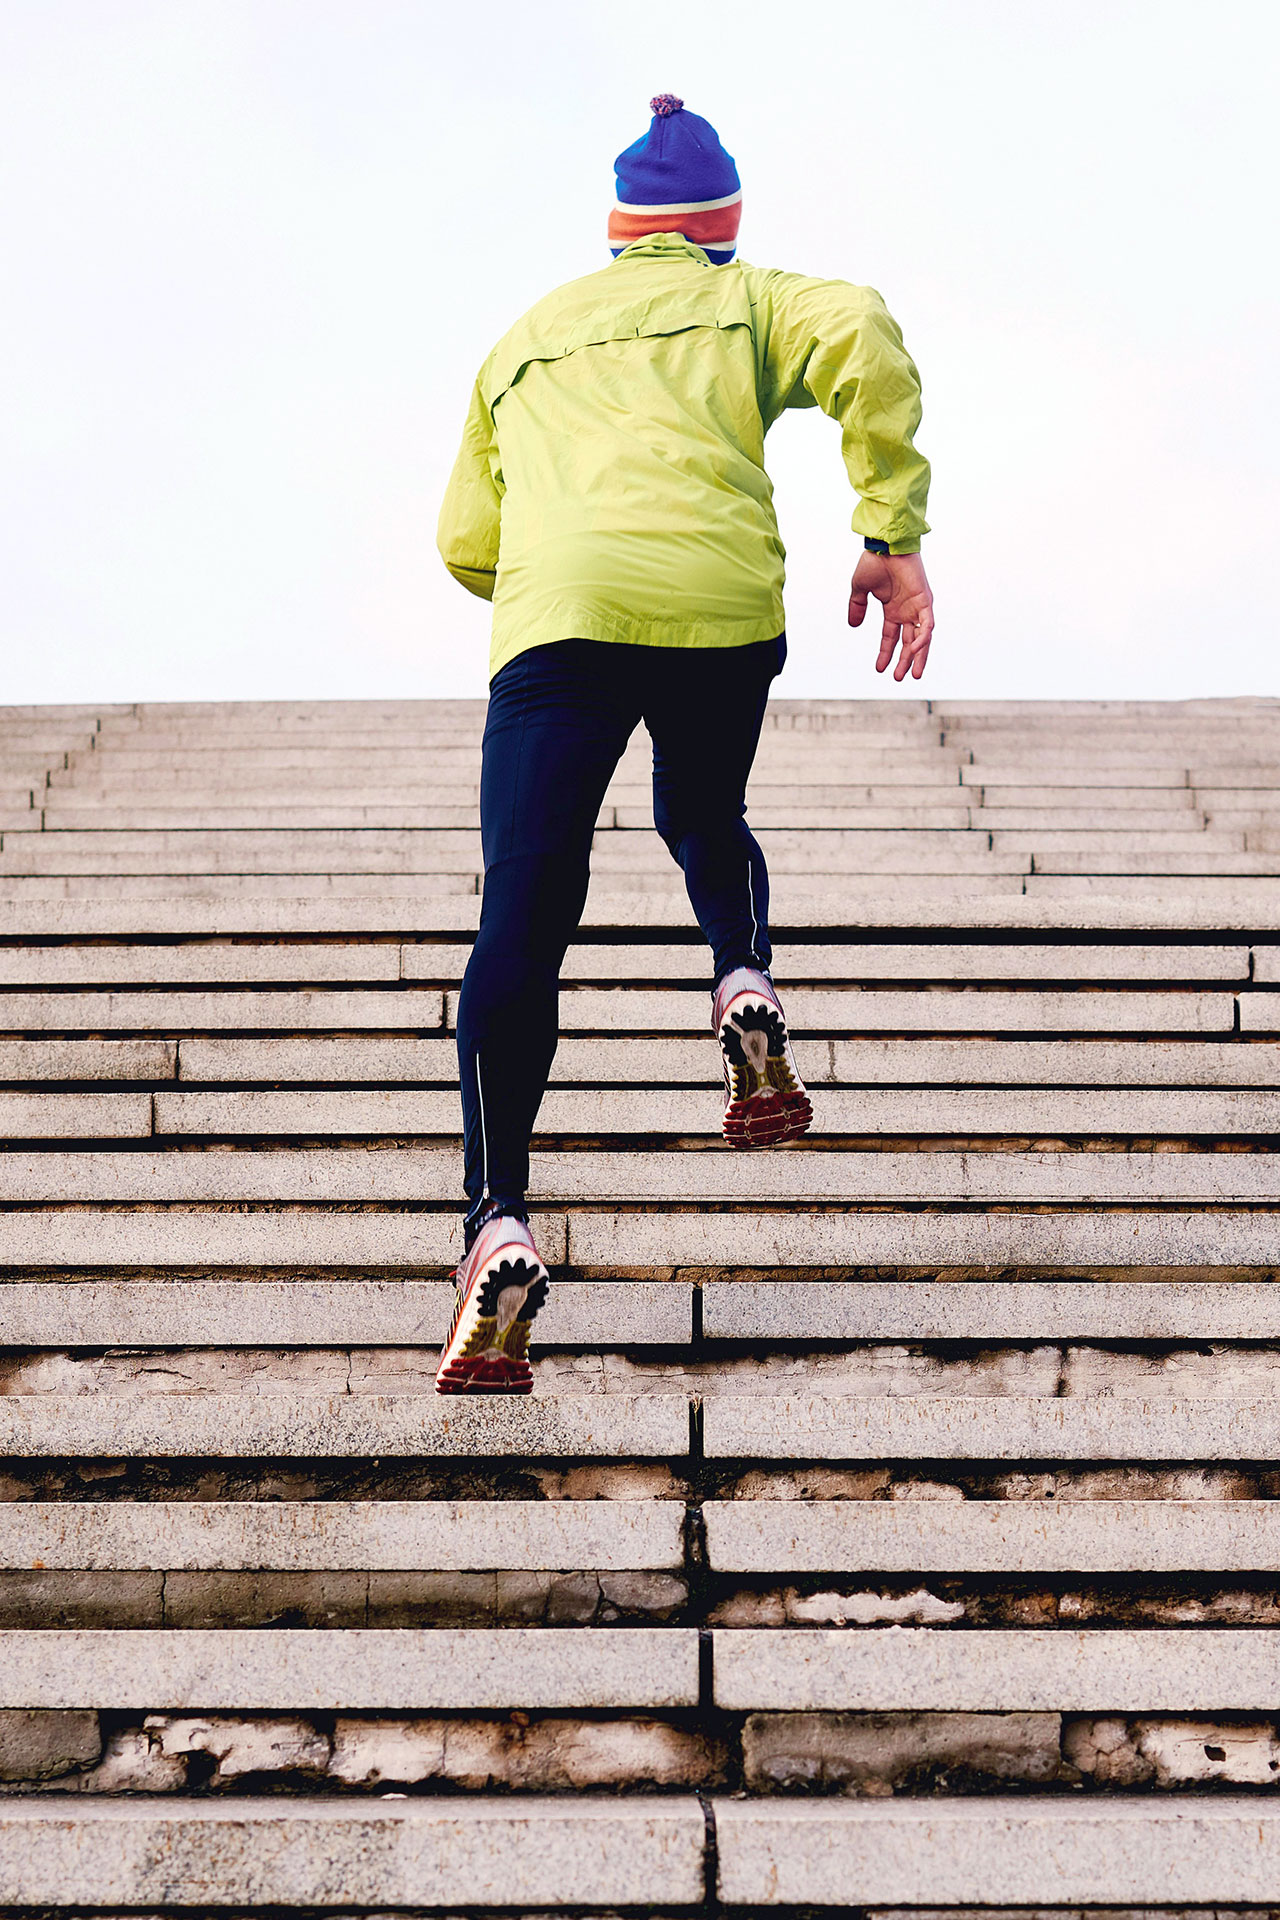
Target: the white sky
pixel 254 250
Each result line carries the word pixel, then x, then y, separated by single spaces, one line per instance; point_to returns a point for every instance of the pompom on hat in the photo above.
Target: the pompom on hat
pixel 677 178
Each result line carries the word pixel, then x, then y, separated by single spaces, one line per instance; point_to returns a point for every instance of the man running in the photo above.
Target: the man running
pixel 610 498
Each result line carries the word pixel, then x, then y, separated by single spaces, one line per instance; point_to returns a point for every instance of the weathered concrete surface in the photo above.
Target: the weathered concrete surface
pixel 336 1853
pixel 881 1752
pixel 356 1669
pixel 1028 1671
pixel 799 1177
pixel 88 1059
pixel 993 1536
pixel 415 1009
pixel 869 1010
pixel 418 1425
pixel 1010 1427
pixel 386 1534
pixel 1022 1310
pixel 665 1242
pixel 998 1852
pixel 306 1312
pixel 75 1116
pixel 320 1238
pixel 36 1744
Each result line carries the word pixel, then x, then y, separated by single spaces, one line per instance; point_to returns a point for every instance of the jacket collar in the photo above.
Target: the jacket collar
pixel 662 246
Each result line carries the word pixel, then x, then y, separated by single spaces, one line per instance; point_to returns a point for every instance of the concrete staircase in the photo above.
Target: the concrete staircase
pixel 894 1527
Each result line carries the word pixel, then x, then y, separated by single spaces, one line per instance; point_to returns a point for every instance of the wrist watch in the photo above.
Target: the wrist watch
pixel 876 546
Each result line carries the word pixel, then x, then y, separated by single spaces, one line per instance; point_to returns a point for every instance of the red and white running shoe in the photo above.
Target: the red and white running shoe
pixel 501 1285
pixel 765 1100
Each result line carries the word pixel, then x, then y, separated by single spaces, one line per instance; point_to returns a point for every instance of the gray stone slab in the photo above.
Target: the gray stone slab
pixel 656 1111
pixel 119 815
pixel 305 1312
pixel 1108 1063
pixel 414 1009
pixel 589 1009
pixel 867 960
pixel 42 1239
pixel 811 1310
pixel 1222 865
pixel 1260 1012
pixel 954 1242
pixel 426 1425
pixel 1050 824
pixel 330 1852
pixel 83 1116
pixel 235 909
pixel 988 1853
pixel 1001 1427
pixel 360 1535
pixel 1103 851
pixel 319 1175
pixel 1032 1670
pixel 220 890
pixel 993 1536
pixel 1102 798
pixel 400 1669
pixel 1031 774
pixel 198 963
pixel 88 1059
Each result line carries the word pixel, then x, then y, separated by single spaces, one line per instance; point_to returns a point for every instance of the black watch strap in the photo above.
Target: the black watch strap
pixel 876 546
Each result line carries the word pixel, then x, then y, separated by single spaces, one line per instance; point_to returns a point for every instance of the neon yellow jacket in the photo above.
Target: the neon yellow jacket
pixel 611 482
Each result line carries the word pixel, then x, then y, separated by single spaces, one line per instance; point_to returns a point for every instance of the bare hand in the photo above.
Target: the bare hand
pixel 897 581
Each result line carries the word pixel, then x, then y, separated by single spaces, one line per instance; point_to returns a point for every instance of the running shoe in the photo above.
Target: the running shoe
pixel 765 1100
pixel 500 1286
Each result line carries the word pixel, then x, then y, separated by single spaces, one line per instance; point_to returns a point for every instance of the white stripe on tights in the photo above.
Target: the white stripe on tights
pixel 484 1137
pixel 755 924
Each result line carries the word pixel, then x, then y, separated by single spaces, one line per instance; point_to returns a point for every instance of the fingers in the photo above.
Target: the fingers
pixel 857 606
pixel 888 641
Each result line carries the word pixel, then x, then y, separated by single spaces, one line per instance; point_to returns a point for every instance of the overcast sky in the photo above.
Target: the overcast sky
pixel 254 250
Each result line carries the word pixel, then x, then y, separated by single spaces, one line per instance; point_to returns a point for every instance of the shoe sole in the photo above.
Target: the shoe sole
pixel 767 1119
pixel 487 1351
pixel 767 1102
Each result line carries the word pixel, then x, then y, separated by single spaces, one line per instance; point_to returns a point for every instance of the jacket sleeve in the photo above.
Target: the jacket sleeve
pixel 826 343
pixel 471 512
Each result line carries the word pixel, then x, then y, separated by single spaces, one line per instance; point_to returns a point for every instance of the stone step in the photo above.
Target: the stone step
pixel 306 1313
pixel 1023 1310
pixel 423 1425
pixel 66 1314
pixel 847 1670
pixel 737 1425
pixel 75 1116
pixel 387 1535
pixel 1032 1670
pixel 1216 864
pixel 1032 1852
pixel 1004 1537
pixel 633 1010
pixel 162 1012
pixel 1086 1010
pixel 659 1243
pixel 208 962
pixel 1010 1243
pixel 790 1426
pixel 362 1669
pixel 322 1175
pixel 45 910
pixel 667 1061
pixel 615 1113
pixel 73 1852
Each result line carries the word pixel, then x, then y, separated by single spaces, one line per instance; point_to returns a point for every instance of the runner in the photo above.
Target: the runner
pixel 610 498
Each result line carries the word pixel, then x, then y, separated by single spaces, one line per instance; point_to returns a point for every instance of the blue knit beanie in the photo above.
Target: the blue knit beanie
pixel 677 178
